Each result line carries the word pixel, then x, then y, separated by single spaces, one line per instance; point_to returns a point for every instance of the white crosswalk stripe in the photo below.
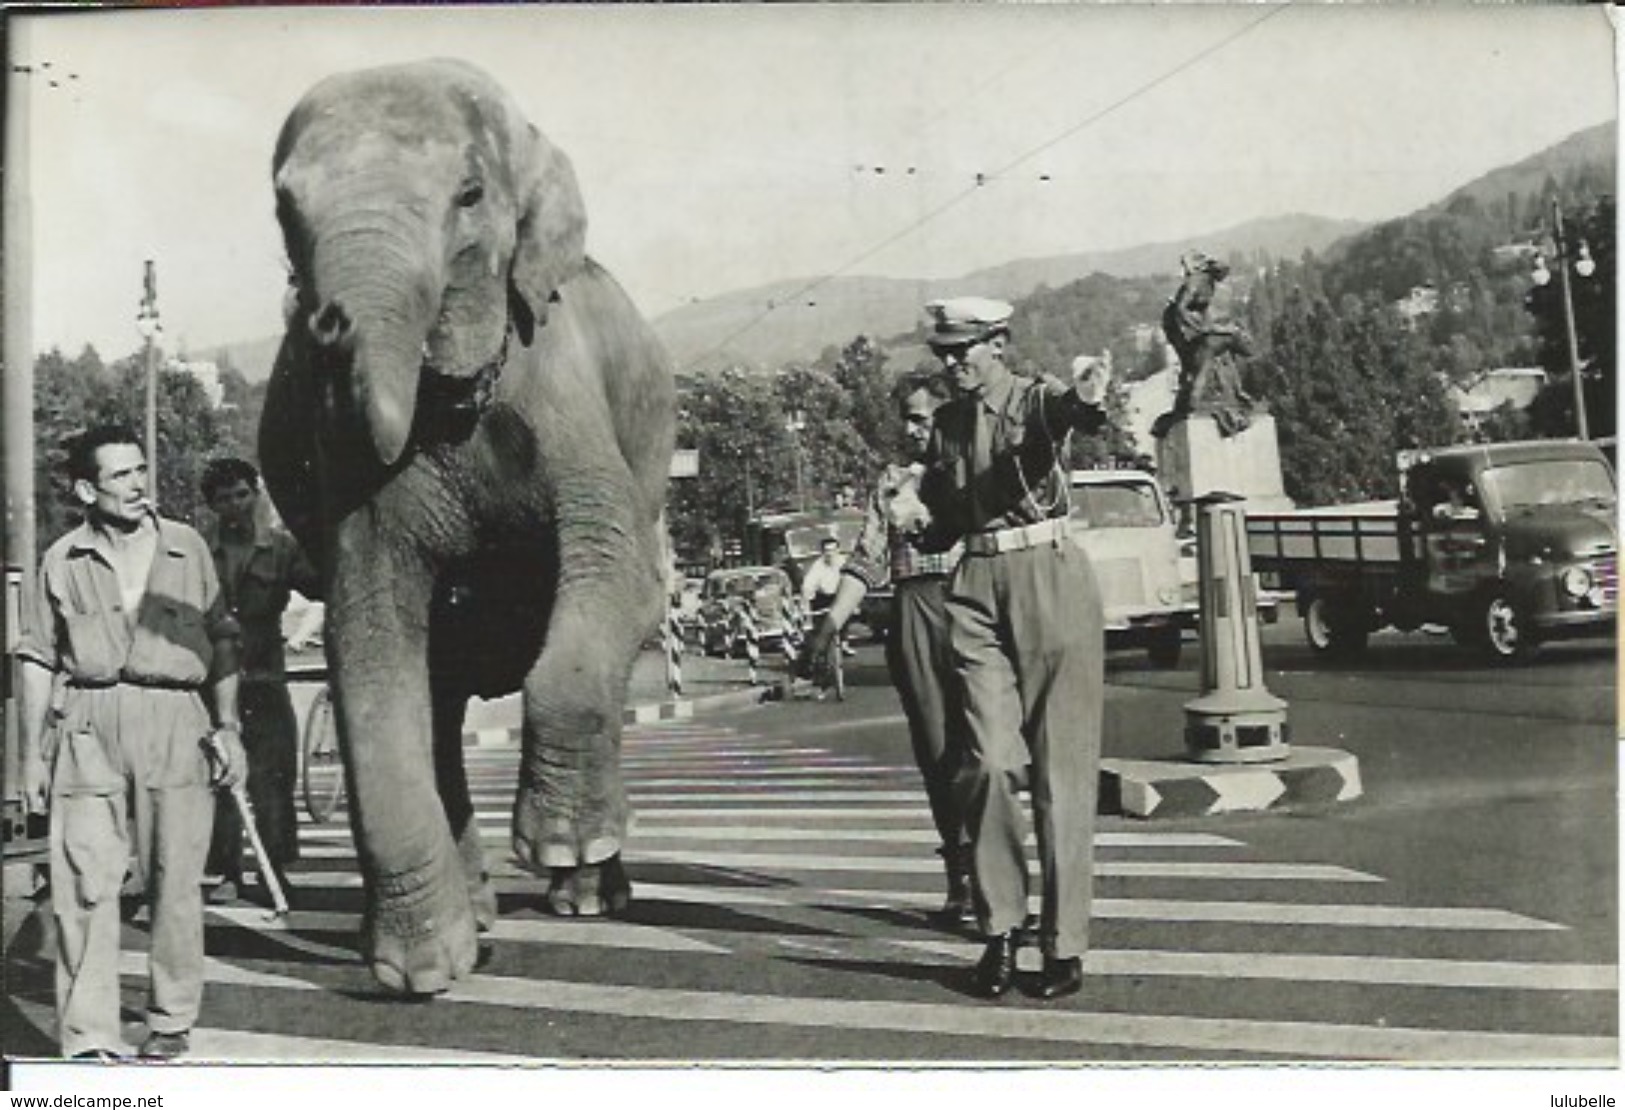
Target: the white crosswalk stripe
pixel 798 859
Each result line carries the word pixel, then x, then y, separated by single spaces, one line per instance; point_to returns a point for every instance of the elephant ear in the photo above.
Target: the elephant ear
pixel 552 231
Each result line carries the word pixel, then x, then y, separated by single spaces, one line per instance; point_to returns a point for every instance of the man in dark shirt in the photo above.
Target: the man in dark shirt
pixel 1026 630
pixel 257 565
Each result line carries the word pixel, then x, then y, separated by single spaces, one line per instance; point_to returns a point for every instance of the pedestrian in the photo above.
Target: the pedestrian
pixel 887 551
pixel 1025 626
pixel 126 619
pixel 258 566
pixel 822 580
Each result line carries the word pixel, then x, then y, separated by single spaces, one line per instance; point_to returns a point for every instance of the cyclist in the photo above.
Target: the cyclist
pixel 822 582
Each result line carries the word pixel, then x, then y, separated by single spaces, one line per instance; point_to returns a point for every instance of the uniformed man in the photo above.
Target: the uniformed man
pixel 1026 630
pixel 258 566
pixel 917 652
pixel 127 619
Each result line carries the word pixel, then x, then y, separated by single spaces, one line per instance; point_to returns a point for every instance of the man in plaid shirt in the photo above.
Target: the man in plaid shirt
pixel 917 652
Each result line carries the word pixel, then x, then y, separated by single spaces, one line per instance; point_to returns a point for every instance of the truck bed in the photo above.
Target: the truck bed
pixel 1358 534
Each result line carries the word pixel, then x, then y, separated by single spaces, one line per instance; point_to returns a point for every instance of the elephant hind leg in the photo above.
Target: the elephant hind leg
pixel 591 890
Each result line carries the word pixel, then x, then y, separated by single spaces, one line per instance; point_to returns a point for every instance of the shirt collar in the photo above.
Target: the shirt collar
pixel 87 538
pixel 262 535
pixel 996 396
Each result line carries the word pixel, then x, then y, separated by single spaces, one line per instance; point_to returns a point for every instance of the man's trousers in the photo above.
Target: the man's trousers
pixel 1028 641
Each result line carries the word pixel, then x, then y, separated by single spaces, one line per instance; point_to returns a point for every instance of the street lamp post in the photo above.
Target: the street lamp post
pixel 146 322
pixel 795 425
pixel 1584 266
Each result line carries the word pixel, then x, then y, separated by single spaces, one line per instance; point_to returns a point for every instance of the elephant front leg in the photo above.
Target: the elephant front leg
pixel 571 814
pixel 419 933
pixel 451 777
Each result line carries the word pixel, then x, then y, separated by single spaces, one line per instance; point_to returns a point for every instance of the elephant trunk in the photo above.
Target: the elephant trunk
pixel 376 299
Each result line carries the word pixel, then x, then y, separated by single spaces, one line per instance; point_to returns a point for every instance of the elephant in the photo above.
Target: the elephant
pixel 469 428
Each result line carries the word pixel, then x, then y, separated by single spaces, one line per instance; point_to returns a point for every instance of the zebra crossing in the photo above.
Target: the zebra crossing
pixel 781 893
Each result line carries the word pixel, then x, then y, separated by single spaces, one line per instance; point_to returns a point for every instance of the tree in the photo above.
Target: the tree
pixel 860 369
pixel 736 423
pixel 1349 387
pixel 72 395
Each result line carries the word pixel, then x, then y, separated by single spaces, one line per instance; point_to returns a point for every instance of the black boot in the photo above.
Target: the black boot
pixel 996 970
pixel 960 906
pixel 1061 977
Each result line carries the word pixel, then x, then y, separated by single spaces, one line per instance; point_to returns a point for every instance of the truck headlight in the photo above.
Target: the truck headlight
pixel 1576 582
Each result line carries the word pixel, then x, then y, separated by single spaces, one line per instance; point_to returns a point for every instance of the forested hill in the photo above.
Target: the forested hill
pixel 1585 161
pixel 773 324
pixel 1484 229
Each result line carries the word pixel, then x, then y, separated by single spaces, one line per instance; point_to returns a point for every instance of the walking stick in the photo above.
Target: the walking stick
pixel 279 901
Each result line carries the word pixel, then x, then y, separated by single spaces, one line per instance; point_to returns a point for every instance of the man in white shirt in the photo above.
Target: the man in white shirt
pixel 822 581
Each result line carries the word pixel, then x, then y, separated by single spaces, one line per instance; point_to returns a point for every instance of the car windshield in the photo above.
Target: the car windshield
pixel 744 585
pixel 1116 505
pixel 804 542
pixel 1550 482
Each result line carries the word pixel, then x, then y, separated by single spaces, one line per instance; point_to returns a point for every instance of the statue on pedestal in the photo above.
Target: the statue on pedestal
pixel 1209 378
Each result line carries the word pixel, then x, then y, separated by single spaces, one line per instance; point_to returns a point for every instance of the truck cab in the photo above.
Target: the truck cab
pixel 1124 521
pixel 1518 541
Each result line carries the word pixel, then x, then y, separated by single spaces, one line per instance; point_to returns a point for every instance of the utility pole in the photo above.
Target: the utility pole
pixel 17 417
pixel 1568 322
pixel 19 311
pixel 146 322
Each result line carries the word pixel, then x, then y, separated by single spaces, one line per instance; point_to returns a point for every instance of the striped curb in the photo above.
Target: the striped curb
pixel 674 709
pixel 1170 788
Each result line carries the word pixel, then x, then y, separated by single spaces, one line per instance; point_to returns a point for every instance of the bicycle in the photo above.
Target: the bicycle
pixel 830 672
pixel 827 672
pixel 322 776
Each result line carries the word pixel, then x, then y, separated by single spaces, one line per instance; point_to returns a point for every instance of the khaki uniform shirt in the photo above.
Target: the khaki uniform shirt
pixel 992 462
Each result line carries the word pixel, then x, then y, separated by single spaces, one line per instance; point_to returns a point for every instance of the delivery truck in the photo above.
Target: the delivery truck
pixel 1505 545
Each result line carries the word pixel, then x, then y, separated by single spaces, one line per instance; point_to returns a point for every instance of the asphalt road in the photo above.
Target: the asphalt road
pixel 1464 910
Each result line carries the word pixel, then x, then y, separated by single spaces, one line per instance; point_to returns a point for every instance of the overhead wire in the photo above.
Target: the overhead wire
pixel 958 198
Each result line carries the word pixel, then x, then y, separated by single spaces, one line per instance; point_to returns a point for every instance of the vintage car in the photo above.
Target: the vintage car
pixel 1123 520
pixel 765 589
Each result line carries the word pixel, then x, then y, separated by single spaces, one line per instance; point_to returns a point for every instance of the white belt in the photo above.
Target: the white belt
pixel 1018 539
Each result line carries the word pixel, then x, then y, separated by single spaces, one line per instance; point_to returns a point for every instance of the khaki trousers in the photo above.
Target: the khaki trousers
pixel 1027 636
pixel 920 660
pixel 102 812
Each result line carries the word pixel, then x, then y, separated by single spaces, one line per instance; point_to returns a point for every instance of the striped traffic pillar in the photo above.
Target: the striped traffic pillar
pixel 1236 719
pixel 672 635
pixel 744 629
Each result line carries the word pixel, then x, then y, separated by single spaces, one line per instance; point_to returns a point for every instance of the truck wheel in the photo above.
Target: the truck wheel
pixel 1164 647
pixel 1504 632
pixel 1334 628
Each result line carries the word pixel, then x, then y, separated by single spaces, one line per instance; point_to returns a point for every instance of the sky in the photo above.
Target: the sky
pixel 722 147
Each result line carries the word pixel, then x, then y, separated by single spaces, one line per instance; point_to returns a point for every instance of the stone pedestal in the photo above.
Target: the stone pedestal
pixel 1194 459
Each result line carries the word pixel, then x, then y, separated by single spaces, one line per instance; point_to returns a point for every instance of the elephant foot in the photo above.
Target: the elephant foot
pixel 421 934
pixel 590 890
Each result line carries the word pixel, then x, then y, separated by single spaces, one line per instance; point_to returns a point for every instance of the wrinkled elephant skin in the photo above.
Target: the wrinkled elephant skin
pixel 469 426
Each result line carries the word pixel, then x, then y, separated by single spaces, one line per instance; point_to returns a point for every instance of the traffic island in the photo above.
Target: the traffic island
pixel 1237 756
pixel 1172 788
